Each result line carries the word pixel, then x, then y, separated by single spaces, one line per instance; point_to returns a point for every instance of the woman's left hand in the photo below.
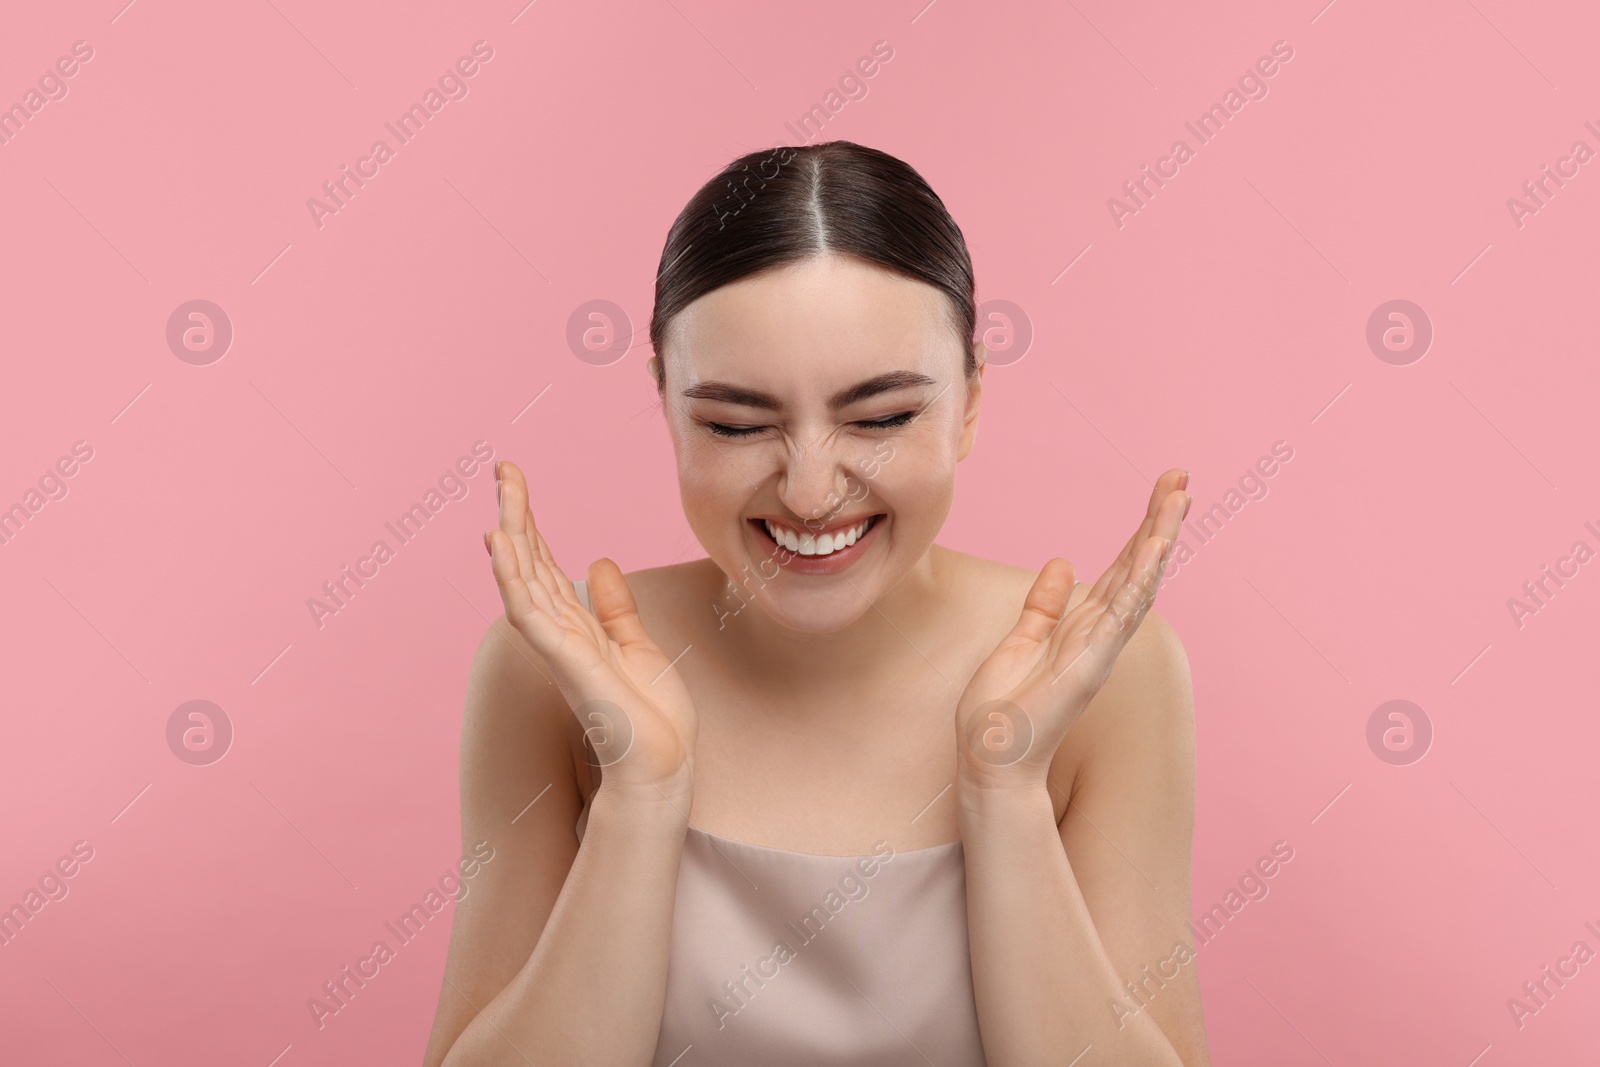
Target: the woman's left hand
pixel 1024 698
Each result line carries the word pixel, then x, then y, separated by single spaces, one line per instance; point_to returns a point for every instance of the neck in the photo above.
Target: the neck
pixel 900 625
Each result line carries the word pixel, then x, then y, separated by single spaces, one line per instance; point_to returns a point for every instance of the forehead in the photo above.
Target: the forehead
pixel 817 325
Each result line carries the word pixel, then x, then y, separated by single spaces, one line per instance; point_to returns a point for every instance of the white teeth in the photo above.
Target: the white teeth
pixel 810 545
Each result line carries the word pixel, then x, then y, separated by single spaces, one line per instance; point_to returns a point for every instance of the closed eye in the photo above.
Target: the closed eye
pixel 890 422
pixel 722 430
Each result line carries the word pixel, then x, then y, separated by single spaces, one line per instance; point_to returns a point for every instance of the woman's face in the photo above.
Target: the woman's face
pixel 827 399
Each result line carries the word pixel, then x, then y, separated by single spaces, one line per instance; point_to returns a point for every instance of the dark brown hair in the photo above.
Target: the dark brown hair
pixel 770 209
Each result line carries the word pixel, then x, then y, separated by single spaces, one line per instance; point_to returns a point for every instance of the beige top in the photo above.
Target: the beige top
pixel 784 958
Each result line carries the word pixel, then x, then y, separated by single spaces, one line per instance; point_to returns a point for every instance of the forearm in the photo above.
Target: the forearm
pixel 593 990
pixel 1042 979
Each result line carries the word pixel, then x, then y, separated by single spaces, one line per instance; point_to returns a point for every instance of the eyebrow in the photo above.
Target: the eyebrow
pixel 728 393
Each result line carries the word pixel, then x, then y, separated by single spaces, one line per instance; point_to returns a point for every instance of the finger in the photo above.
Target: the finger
pixel 614 606
pixel 522 605
pixel 522 559
pixel 1046 602
pixel 1170 515
pixel 1119 576
pixel 514 485
pixel 534 555
pixel 560 585
pixel 566 605
pixel 1135 595
pixel 1168 503
pixel 514 513
pixel 1170 480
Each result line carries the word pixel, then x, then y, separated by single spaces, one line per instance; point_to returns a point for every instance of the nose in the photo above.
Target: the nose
pixel 813 482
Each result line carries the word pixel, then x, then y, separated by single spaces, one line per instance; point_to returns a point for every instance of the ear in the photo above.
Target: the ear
pixel 969 420
pixel 653 365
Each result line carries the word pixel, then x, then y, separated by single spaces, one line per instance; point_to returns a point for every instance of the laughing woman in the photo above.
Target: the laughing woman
pixel 835 793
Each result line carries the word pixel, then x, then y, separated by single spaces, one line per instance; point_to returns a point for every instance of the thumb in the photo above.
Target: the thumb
pixel 1046 601
pixel 612 603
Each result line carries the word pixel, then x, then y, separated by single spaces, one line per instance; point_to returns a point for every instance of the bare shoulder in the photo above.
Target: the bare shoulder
pixel 1151 676
pixel 677 599
pixel 1140 726
pixel 987 588
pixel 515 718
pixel 505 657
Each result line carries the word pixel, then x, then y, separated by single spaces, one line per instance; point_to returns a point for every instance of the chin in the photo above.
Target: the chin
pixel 812 612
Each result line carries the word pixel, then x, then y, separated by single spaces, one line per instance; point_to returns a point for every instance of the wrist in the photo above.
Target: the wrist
pixel 667 803
pixel 986 795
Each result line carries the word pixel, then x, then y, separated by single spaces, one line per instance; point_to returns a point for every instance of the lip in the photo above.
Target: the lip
pixel 833 563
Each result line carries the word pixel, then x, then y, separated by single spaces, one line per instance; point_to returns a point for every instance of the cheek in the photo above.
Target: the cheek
pixel 916 479
pixel 714 483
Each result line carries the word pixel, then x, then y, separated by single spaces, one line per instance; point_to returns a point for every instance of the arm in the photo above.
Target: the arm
pixel 1051 922
pixel 560 936
pixel 1063 918
pixel 551 935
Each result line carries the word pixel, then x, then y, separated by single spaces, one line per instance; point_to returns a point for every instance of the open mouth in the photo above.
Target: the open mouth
pixel 812 546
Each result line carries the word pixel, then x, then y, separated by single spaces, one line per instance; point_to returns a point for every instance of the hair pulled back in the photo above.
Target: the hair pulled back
pixel 770 209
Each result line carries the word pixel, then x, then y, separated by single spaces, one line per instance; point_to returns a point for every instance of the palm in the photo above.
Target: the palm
pixel 1023 699
pixel 635 710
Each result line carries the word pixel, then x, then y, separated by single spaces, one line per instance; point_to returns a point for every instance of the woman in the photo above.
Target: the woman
pixel 807 800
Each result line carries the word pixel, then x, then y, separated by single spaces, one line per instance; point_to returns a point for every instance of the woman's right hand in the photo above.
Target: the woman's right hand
pixel 632 702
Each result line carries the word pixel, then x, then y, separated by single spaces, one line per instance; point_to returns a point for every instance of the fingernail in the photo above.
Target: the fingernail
pixel 1187 501
pixel 488 546
pixel 497 491
pixel 1183 480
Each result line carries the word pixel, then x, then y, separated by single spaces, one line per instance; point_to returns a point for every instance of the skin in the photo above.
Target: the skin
pixel 920 696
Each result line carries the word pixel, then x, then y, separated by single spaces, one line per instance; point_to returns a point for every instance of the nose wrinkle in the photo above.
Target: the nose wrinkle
pixel 813 503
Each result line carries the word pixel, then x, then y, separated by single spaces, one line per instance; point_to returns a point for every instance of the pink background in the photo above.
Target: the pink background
pixel 369 354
